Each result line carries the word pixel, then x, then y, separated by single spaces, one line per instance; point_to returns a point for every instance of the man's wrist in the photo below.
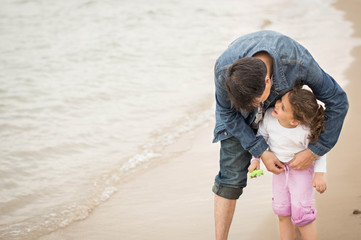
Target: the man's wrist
pixel 267 149
pixel 314 154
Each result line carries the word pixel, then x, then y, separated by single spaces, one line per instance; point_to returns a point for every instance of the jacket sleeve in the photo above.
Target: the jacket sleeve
pixel 327 90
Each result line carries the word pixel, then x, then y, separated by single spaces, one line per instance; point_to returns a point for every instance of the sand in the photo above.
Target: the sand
pixel 343 195
pixel 172 199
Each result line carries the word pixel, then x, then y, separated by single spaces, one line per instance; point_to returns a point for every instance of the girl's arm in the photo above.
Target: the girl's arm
pixel 319 182
pixel 255 164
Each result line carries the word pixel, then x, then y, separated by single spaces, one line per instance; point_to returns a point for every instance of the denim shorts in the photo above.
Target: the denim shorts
pixel 232 176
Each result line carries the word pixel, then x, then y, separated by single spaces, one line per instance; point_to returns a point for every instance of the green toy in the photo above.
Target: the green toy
pixel 256 173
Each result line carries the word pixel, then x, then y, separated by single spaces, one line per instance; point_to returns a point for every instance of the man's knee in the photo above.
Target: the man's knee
pixel 227 192
pixel 232 176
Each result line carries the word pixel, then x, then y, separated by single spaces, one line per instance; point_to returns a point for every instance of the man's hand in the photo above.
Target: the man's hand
pixel 272 163
pixel 302 160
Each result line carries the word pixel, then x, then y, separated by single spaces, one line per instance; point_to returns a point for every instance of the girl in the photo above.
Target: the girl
pixel 295 121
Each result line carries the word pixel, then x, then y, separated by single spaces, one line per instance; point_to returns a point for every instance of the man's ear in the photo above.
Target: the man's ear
pixel 267 80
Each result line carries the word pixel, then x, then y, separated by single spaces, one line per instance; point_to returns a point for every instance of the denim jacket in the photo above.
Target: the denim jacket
pixel 292 64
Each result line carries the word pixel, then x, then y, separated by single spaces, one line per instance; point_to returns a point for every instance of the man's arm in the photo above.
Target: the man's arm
pixel 327 90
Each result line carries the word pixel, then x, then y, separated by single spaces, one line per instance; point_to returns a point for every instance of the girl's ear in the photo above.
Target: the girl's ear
pixel 295 123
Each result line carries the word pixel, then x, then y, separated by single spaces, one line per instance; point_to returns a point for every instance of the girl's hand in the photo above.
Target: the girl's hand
pixel 319 182
pixel 254 165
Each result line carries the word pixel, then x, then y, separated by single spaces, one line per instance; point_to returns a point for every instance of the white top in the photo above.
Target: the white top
pixel 286 142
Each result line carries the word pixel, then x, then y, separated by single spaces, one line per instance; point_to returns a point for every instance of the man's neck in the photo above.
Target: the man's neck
pixel 267 59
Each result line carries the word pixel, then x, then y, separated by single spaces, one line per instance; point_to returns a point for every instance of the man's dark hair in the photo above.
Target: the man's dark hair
pixel 245 81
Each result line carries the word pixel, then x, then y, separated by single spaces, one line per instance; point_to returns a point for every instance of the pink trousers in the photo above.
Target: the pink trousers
pixel 293 195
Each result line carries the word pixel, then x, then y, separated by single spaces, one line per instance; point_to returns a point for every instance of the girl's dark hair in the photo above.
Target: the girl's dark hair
pixel 307 110
pixel 245 81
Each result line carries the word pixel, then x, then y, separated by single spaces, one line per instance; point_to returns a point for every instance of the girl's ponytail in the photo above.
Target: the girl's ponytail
pixel 317 124
pixel 308 111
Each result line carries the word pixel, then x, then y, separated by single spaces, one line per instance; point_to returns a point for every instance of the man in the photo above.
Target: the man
pixel 253 72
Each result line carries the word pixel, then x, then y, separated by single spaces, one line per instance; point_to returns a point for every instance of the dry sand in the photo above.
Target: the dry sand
pixel 343 195
pixel 172 199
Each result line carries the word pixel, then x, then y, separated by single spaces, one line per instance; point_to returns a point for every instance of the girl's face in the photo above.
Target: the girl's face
pixel 284 113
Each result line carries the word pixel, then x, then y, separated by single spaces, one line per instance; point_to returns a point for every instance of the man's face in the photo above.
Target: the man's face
pixel 265 94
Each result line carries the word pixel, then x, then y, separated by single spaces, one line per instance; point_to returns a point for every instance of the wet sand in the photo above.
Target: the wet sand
pixel 172 199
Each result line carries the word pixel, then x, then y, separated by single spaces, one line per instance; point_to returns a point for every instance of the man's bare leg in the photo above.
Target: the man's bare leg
pixel 223 214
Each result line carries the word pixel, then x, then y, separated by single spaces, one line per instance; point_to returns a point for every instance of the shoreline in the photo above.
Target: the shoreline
pixel 173 200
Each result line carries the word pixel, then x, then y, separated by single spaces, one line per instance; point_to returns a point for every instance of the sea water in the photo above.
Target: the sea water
pixel 92 90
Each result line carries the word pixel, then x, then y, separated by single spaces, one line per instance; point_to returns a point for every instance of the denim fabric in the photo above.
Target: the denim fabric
pixel 234 162
pixel 292 65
